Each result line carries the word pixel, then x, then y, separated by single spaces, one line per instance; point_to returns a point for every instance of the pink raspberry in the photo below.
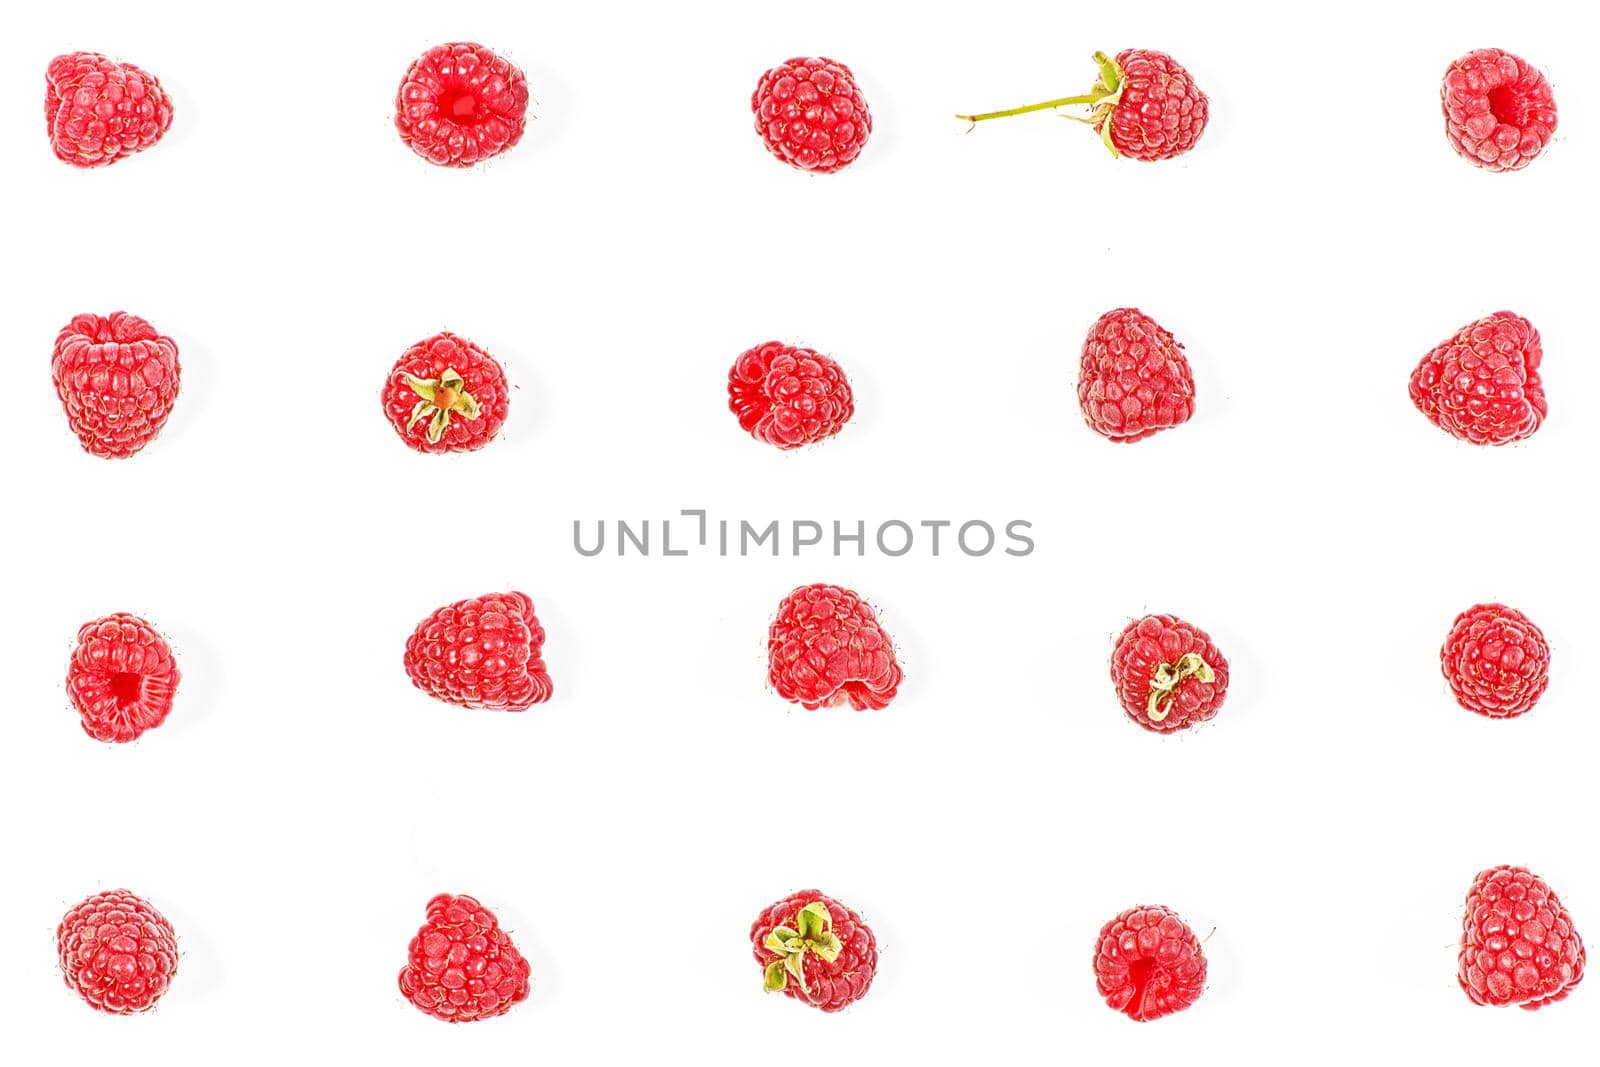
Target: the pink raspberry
pixel 99 111
pixel 1499 112
pixel 826 646
pixel 789 396
pixel 811 114
pixel 460 104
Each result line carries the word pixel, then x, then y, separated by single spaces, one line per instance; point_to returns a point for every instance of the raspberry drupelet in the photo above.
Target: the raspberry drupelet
pixel 1168 673
pixel 1499 111
pixel 461 104
pixel 1518 942
pixel 810 114
pixel 1148 963
pixel 826 647
pixel 814 949
pixel 788 396
pixel 117 952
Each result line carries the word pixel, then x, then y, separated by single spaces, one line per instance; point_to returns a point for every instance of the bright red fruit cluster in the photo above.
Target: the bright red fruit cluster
pixel 117 952
pixel 445 394
pixel 810 114
pixel 826 647
pixel 1518 944
pixel 1168 673
pixel 1133 378
pixel 814 949
pixel 1148 963
pixel 122 678
pixel 1499 112
pixel 99 111
pixel 1482 385
pixel 483 652
pixel 117 379
pixel 462 967
pixel 461 104
pixel 789 396
pixel 1496 661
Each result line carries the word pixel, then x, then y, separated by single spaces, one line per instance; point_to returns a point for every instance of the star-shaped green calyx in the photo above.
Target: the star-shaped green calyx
pixel 439 398
pixel 812 932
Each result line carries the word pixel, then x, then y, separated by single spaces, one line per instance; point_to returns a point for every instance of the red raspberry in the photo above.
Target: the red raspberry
pixel 811 114
pixel 462 967
pixel 117 952
pixel 460 104
pixel 789 396
pixel 99 111
pixel 117 379
pixel 1518 944
pixel 1144 105
pixel 1482 385
pixel 445 394
pixel 1148 963
pixel 122 678
pixel 1133 378
pixel 481 653
pixel 826 646
pixel 814 949
pixel 1499 112
pixel 1496 661
pixel 1168 674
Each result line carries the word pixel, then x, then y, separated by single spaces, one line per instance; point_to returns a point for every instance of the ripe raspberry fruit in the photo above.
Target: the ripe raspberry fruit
pixel 826 647
pixel 1499 112
pixel 98 111
pixel 789 396
pixel 117 952
pixel 121 678
pixel 460 104
pixel 1496 661
pixel 814 949
pixel 810 113
pixel 117 379
pixel 1169 676
pixel 1133 378
pixel 1144 105
pixel 462 967
pixel 481 653
pixel 1482 385
pixel 1518 944
pixel 1148 963
pixel 445 394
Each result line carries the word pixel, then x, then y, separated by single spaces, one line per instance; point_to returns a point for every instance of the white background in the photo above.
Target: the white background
pixel 303 802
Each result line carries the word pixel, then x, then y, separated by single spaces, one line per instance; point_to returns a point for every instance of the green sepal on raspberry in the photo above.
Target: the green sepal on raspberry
pixel 440 398
pixel 812 932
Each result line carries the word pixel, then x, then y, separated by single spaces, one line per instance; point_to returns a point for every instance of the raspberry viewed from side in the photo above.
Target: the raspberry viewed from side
pixel 1499 112
pixel 789 396
pixel 461 966
pixel 445 394
pixel 810 113
pixel 1148 963
pixel 99 111
pixel 117 952
pixel 122 678
pixel 1496 661
pixel 461 104
pixel 1482 385
pixel 1133 378
pixel 481 653
pixel 826 647
pixel 117 379
pixel 1168 673
pixel 1518 943
pixel 814 949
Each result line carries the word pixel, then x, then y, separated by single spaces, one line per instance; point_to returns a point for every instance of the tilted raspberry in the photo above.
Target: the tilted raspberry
pixel 810 113
pixel 445 394
pixel 481 653
pixel 1482 385
pixel 1144 105
pixel 814 949
pixel 1133 378
pixel 1496 661
pixel 460 104
pixel 789 396
pixel 826 647
pixel 1518 944
pixel 1499 112
pixel 1148 963
pixel 122 678
pixel 117 952
pixel 1168 674
pixel 98 111
pixel 462 967
pixel 117 379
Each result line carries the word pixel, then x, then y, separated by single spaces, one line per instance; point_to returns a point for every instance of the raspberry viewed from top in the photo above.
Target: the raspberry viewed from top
pixel 1482 385
pixel 826 647
pixel 810 113
pixel 460 104
pixel 122 678
pixel 461 966
pixel 1133 378
pixel 117 379
pixel 1168 673
pixel 99 111
pixel 814 949
pixel 1148 963
pixel 1496 661
pixel 481 653
pixel 1499 112
pixel 445 394
pixel 1518 943
pixel 789 396
pixel 117 952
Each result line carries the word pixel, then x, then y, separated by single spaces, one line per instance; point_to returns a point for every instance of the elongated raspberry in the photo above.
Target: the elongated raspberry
pixel 1168 673
pixel 1148 963
pixel 814 949
pixel 1133 378
pixel 1496 661
pixel 117 379
pixel 99 111
pixel 446 394
pixel 1518 943
pixel 826 646
pixel 461 104
pixel 1499 112
pixel 461 966
pixel 1482 385
pixel 789 396
pixel 810 113
pixel 483 652
pixel 122 678
pixel 117 952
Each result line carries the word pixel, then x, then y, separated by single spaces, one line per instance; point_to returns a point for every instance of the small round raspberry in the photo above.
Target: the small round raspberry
pixel 460 104
pixel 826 647
pixel 1499 112
pixel 462 967
pixel 1133 378
pixel 122 678
pixel 1518 943
pixel 1482 385
pixel 810 113
pixel 1168 674
pixel 481 653
pixel 1148 963
pixel 445 394
pixel 98 111
pixel 814 949
pixel 117 379
pixel 789 396
pixel 1496 661
pixel 117 952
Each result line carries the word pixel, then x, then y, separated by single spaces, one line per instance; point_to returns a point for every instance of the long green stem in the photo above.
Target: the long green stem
pixel 1088 98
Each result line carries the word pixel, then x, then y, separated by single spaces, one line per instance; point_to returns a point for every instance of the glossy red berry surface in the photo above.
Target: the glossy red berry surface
pixel 789 396
pixel 461 967
pixel 117 952
pixel 1499 112
pixel 461 104
pixel 1160 112
pixel 1496 661
pixel 117 379
pixel 122 678
pixel 99 111
pixel 1168 673
pixel 826 647
pixel 445 394
pixel 481 653
pixel 810 113
pixel 1133 378
pixel 1148 963
pixel 814 949
pixel 1518 943
pixel 1482 385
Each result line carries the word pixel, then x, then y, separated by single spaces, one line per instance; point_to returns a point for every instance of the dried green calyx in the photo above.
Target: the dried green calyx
pixel 439 398
pixel 812 932
pixel 1168 676
pixel 1102 100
